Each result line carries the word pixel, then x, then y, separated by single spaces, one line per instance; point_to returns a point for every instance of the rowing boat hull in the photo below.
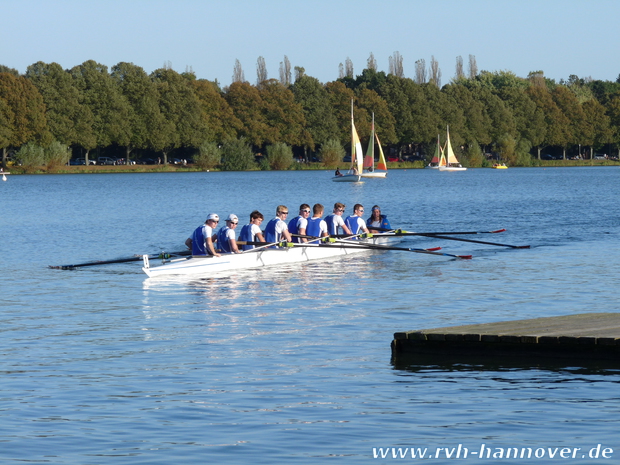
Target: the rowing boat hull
pixel 347 178
pixel 206 266
pixel 452 168
pixel 374 174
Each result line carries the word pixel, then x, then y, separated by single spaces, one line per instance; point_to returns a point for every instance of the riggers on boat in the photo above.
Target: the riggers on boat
pixel 261 256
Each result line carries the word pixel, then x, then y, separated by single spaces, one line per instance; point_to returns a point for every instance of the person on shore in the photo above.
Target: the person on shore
pixel 355 222
pixel 251 232
pixel 317 227
pixel 297 226
pixel 202 239
pixel 377 220
pixel 335 220
pixel 226 236
pixel 277 229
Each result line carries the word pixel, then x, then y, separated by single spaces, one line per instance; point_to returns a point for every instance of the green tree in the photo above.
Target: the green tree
pixel 385 125
pixel 247 105
pixel 598 129
pixel 69 120
pixel 568 104
pixel 144 119
pixel 109 107
pixel 332 153
pixel 31 157
pixel 315 104
pixel 557 124
pixel 498 80
pixel 499 118
pixel 529 119
pixel 180 107
pixel 340 100
pixel 6 69
pixel 6 129
pixel 56 155
pixel 237 155
pixel 209 156
pixel 23 112
pixel 475 130
pixel 285 117
pixel 445 113
pixel 613 112
pixel 221 122
pixel 415 120
pixel 370 79
pixel 279 156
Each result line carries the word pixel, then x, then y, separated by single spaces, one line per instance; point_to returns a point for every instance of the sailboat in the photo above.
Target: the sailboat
pixel 452 163
pixel 439 158
pixel 369 160
pixel 354 173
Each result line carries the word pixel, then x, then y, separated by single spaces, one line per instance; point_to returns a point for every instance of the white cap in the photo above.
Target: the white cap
pixel 232 217
pixel 213 216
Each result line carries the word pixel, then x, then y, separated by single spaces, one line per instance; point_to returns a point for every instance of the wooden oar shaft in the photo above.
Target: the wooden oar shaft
pixel 400 232
pixel 119 260
pixel 432 251
pixel 437 236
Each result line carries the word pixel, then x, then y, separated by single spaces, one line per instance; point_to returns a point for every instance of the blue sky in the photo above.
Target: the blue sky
pixel 559 37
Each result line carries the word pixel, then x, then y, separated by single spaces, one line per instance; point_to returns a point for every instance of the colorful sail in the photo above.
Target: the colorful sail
pixel 450 153
pixel 356 147
pixel 437 155
pixel 442 157
pixel 451 163
pixel 381 165
pixel 369 159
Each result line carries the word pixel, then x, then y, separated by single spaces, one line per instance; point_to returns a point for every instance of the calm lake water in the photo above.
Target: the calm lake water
pixel 101 365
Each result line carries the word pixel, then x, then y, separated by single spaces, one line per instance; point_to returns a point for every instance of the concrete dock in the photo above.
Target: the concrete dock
pixel 586 335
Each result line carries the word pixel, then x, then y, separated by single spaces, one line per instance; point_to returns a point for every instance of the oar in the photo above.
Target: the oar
pixel 432 251
pixel 120 260
pixel 402 232
pixel 258 245
pixel 437 236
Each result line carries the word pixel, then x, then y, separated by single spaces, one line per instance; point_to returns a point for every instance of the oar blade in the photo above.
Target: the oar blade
pixel 120 260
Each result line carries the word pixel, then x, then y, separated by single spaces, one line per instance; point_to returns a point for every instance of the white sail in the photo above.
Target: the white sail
pixel 452 163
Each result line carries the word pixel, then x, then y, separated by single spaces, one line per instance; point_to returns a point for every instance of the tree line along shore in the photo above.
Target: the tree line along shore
pixel 49 115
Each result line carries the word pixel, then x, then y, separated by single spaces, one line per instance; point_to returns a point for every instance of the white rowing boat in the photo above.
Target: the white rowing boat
pixel 259 257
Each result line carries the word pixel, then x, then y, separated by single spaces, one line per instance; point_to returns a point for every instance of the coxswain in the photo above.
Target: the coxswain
pixel 377 220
